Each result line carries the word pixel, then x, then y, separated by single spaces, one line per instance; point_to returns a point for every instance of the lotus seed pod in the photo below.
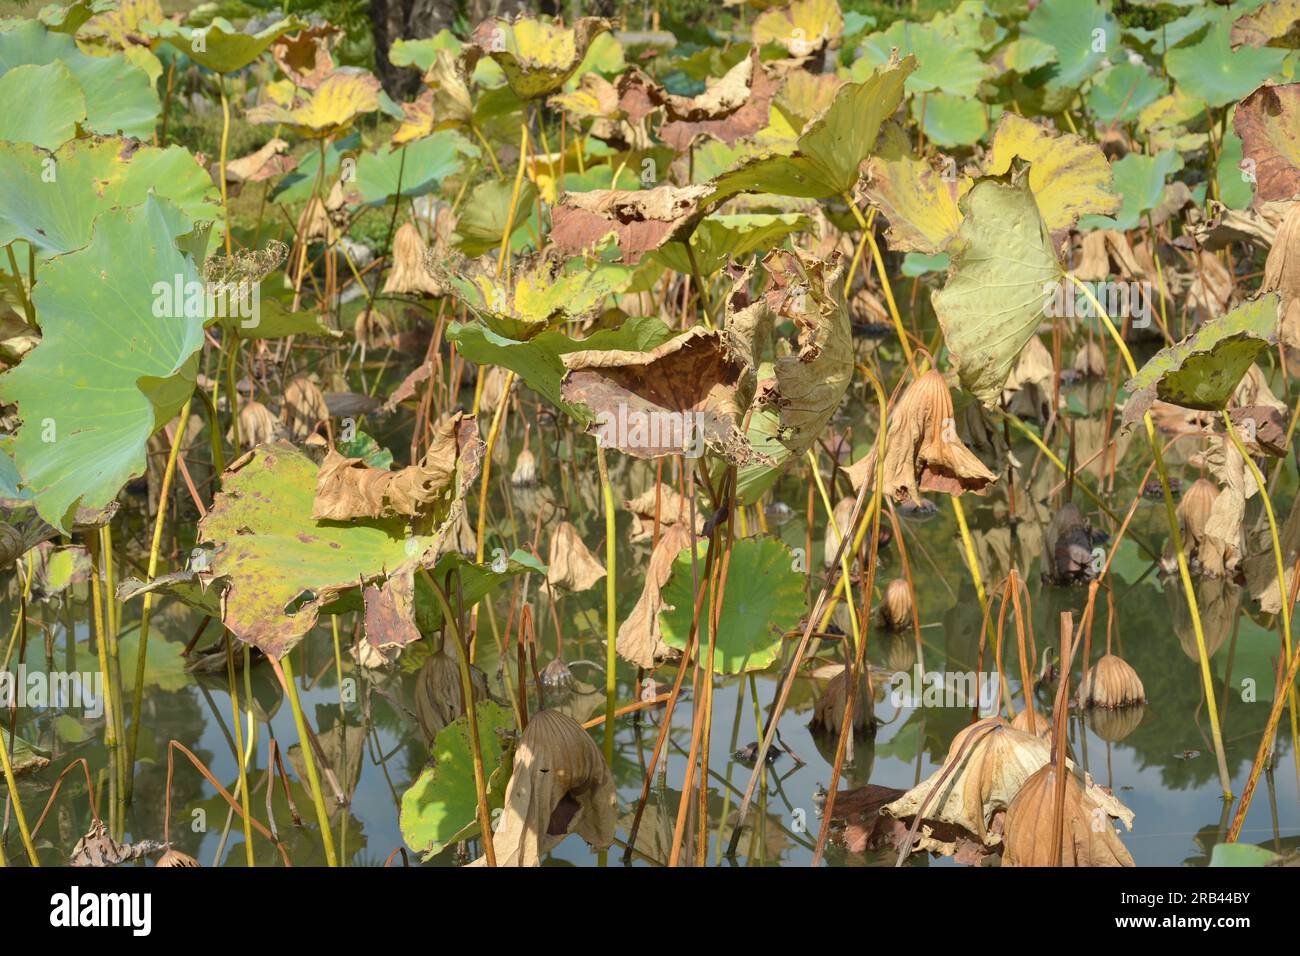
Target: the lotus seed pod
pixel 1111 682
pixel 1088 837
pixel 896 608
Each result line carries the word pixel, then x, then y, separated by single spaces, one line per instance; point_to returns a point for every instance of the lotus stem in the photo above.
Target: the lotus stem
pixel 968 545
pixel 11 786
pixel 832 528
pixel 284 672
pixel 879 260
pixel 241 755
pixel 450 622
pixel 1176 535
pixel 858 663
pixel 225 142
pixel 611 608
pixel 155 547
pixel 1280 566
pixel 493 431
pixel 514 198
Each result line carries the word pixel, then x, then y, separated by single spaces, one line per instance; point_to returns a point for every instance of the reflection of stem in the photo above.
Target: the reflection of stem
pixel 284 671
pixel 164 496
pixel 1281 577
pixel 1177 537
pixel 240 755
pixel 450 622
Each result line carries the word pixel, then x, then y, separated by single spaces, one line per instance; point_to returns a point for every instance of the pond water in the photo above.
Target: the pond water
pixel 1160 763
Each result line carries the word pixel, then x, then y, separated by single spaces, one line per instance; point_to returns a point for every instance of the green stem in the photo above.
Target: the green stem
pixel 611 611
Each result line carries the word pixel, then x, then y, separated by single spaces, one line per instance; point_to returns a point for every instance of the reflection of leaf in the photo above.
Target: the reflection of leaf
pixel 995 294
pixel 764 599
pixel 1203 370
pixel 108 372
pixel 441 807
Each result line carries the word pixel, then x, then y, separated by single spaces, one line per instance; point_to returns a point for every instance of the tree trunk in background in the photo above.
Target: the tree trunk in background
pixel 405 20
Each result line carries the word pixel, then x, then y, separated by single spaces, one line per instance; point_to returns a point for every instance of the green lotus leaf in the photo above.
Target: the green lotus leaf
pixel 542 291
pixel 1211 71
pixel 110 369
pixel 69 19
pixel 951 120
pixel 279 565
pixel 1161 39
pixel 830 149
pixel 1235 188
pixel 1003 267
pixel 164 667
pixel 53 105
pixel 428 162
pixel 538 361
pixel 220 46
pixel 1122 92
pixel 119 96
pixel 719 237
pixel 52 201
pixel 1024 55
pixel 1140 183
pixel 764 598
pixel 1082 32
pixel 944 63
pixel 441 807
pixel 483 217
pixel 1204 369
pixel 1243 854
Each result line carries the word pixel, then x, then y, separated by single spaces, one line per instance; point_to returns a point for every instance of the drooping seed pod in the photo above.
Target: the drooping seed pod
pixel 257 425
pixel 571 565
pixel 438 692
pixel 1111 682
pixel 557 676
pixel 525 473
pixel 176 858
pixel 1088 837
pixel 828 712
pixel 896 606
pixel 408 274
pixel 1194 513
pixel 303 408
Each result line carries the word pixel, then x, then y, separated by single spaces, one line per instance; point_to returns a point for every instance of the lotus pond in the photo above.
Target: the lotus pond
pixel 778 435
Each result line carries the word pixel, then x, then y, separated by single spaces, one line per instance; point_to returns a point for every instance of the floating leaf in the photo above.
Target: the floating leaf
pixel 110 369
pixel 441 807
pixel 1002 270
pixel 1204 369
pixel 764 598
pixel 25 757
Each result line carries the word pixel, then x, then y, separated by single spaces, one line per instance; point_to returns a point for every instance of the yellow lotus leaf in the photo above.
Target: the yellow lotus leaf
pixel 1068 176
pixel 535 55
pixel 331 108
pixel 918 200
pixel 120 25
pixel 803 28
pixel 594 97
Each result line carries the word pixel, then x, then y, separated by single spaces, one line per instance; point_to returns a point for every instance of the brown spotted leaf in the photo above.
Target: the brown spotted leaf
pixel 1268 122
pixel 640 220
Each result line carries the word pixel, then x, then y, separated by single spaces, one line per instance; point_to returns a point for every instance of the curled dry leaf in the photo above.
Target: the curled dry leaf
pixel 1267 121
pixel 922 449
pixel 639 638
pixel 270 161
pixel 730 109
pixel 98 848
pixel 560 785
pixel 640 220
pixel 175 858
pixel 673 508
pixel 348 488
pixel 1282 275
pixel 570 565
pixel 1088 837
pixel 649 404
pixel 536 56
